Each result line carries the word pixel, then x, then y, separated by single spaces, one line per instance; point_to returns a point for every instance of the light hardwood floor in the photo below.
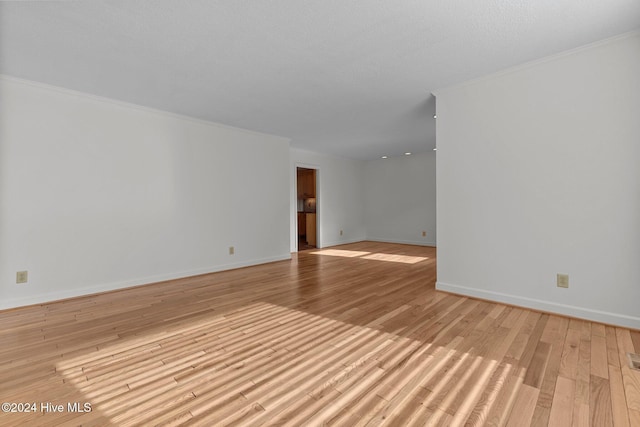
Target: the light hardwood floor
pixel 351 335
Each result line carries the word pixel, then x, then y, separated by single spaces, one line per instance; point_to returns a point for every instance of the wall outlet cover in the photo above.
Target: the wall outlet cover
pixel 22 277
pixel 563 280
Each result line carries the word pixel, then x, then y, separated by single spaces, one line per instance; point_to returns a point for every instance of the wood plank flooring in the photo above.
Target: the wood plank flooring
pixel 353 335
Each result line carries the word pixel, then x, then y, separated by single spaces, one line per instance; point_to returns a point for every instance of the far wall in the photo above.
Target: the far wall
pixel 388 200
pixel 400 199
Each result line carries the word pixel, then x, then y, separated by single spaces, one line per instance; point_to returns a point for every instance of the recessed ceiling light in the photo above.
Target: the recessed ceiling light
pixel 435 149
pixel 407 154
pixel 435 116
pixel 384 157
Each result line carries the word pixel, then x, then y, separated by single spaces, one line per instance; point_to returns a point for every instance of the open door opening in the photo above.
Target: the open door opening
pixel 307 205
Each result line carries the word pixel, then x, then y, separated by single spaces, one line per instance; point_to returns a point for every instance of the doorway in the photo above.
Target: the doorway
pixel 306 208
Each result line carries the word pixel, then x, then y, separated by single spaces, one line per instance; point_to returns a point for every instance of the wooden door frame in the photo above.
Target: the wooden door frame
pixel 318 204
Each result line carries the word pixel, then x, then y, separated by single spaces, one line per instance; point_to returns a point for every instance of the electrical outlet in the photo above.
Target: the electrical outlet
pixel 341 232
pixel 563 280
pixel 22 276
pixel 424 234
pixel 231 250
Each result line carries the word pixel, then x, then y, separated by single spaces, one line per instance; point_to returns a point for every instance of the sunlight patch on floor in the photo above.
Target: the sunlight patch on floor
pixel 404 259
pixel 196 366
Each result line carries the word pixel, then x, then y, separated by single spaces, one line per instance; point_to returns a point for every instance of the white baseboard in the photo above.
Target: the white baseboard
pixel 105 287
pixel 547 306
pixel 405 242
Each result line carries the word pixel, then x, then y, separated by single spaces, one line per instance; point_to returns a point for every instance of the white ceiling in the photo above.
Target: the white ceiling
pixel 351 78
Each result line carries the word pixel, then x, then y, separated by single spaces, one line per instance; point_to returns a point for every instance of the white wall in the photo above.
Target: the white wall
pixel 340 200
pixel 538 174
pixel 400 199
pixel 98 195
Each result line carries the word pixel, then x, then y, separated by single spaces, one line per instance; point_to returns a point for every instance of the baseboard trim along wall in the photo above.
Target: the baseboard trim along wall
pixel 546 306
pixel 105 287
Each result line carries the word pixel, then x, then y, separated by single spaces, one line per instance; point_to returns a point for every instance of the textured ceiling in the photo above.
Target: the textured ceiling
pixel 351 78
